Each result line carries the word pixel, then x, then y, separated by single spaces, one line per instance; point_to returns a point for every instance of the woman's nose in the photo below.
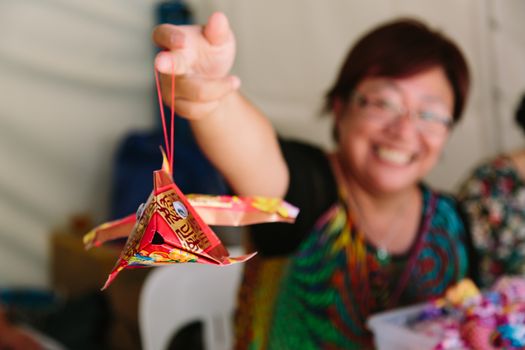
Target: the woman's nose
pixel 404 124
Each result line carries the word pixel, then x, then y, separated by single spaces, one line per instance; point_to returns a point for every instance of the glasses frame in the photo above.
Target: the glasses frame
pixel 363 101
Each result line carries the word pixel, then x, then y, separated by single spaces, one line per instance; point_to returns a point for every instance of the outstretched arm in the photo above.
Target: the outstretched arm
pixel 235 136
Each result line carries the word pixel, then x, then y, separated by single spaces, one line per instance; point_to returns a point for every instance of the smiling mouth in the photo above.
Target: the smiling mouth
pixel 394 156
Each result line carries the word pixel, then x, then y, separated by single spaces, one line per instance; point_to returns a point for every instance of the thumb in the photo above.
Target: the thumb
pixel 217 30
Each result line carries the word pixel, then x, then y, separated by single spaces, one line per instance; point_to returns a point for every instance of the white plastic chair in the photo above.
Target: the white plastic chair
pixel 174 296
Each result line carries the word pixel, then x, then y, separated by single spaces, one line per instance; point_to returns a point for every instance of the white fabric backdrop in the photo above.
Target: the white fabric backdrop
pixel 75 76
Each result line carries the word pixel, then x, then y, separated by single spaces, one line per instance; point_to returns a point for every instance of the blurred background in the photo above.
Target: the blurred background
pixel 78 111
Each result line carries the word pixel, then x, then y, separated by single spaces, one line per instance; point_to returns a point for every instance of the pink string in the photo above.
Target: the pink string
pixel 169 144
pixel 161 105
pixel 172 112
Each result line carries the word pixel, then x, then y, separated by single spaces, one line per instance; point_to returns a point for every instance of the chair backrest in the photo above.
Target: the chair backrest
pixel 176 295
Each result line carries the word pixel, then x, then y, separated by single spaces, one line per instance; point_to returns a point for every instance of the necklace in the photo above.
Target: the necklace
pixel 381 252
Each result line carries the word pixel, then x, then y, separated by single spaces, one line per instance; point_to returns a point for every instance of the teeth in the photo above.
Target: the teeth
pixel 393 156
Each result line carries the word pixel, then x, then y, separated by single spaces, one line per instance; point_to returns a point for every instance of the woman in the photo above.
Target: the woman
pixel 493 198
pixel 370 235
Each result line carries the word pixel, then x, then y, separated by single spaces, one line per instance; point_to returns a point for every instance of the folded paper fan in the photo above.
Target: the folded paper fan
pixel 168 228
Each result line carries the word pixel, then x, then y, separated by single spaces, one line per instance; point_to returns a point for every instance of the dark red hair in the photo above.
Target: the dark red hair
pixel 401 49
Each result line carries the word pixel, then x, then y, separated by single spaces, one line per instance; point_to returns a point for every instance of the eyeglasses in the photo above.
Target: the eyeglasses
pixel 388 109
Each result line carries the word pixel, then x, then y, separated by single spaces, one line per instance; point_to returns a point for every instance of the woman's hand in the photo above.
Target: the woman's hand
pixel 235 136
pixel 201 58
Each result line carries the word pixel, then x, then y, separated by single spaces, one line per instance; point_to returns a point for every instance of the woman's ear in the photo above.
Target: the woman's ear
pixel 337 109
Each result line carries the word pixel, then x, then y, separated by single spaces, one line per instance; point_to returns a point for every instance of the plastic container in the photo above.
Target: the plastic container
pixel 392 333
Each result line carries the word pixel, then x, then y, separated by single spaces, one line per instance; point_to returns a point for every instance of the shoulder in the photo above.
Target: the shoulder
pixel 443 200
pixel 488 176
pixel 446 222
pixel 446 211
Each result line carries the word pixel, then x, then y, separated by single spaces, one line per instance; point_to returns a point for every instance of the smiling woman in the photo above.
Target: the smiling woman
pixel 386 147
pixel 370 235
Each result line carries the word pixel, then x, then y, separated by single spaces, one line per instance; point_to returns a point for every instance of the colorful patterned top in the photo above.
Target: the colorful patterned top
pixel 320 294
pixel 493 198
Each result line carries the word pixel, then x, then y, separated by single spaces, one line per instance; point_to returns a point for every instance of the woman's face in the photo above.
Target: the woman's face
pixel 392 131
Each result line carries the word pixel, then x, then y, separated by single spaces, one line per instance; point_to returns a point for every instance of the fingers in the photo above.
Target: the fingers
pixel 209 52
pixel 217 31
pixel 167 36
